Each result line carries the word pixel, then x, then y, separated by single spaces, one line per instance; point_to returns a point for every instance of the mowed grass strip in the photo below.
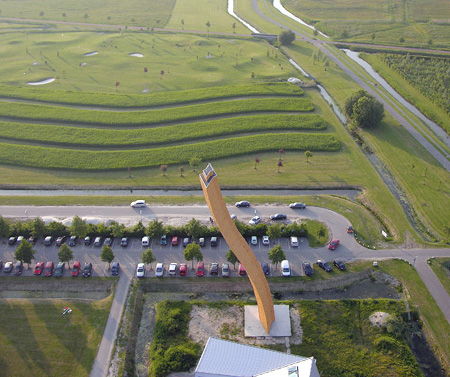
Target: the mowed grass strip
pixel 153 136
pixel 59 158
pixel 135 118
pixel 149 100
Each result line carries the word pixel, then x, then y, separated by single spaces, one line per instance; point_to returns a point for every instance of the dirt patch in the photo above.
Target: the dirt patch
pixel 379 319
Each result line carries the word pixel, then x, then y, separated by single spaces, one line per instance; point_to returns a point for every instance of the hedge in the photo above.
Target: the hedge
pixel 43 157
pixel 50 134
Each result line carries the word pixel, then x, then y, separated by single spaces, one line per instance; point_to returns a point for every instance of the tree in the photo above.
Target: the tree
pixel 281 152
pixel 64 16
pixel 280 164
pixel 326 63
pixel 402 40
pixel 191 252
pixel 182 24
pixel 78 227
pixel 117 230
pixel 163 168
pixel 194 162
pixel 65 254
pixel 148 257
pixel 274 231
pixel 364 110
pixel 256 161
pixel 194 228
pixel 25 252
pixel 38 227
pixel 315 57
pixel 276 255
pixel 155 229
pixel 181 169
pixel 308 155
pixel 231 258
pixel 208 24
pixel 138 230
pixel 86 16
pixel 4 227
pixel 234 27
pixel 41 13
pixel 286 37
pixel 315 33
pixel 107 255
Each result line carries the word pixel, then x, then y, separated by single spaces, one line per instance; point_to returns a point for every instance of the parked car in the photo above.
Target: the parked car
pixel 242 271
pixel 73 241
pixel 350 229
pixel 254 240
pixel 32 239
pixel 98 241
pixel 39 268
pixel 278 216
pixel 59 270
pixel 145 241
pixel 48 240
pixel 87 241
pixel 140 270
pixel 87 270
pixel 115 269
pixel 200 269
pixel 285 268
pixel 138 204
pixel 159 271
pixel 225 270
pixel 201 241
pixel 324 265
pixel 186 241
pixel 19 239
pixel 265 268
pixel 294 241
pixel 60 240
pixel 214 270
pixel 173 269
pixel 265 240
pixel 183 269
pixel 18 267
pixel 297 205
pixel 213 241
pixel 124 242
pixel 339 264
pixel 307 269
pixel 163 241
pixel 255 220
pixel 8 267
pixel 12 240
pixel 48 269
pixel 175 241
pixel 76 268
pixel 108 241
pixel 333 244
pixel 242 203
pixel 233 216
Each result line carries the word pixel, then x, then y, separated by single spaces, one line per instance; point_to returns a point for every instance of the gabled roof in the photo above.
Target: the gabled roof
pixel 225 358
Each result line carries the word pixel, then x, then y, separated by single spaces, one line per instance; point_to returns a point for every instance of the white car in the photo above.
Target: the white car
pixel 255 220
pixel 225 270
pixel 265 240
pixel 138 204
pixel 173 269
pixel 159 271
pixel 140 271
pixel 254 240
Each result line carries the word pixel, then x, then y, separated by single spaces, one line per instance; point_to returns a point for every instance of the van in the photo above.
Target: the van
pixel 285 269
pixel 294 242
pixel 48 240
pixel 145 241
pixel 213 241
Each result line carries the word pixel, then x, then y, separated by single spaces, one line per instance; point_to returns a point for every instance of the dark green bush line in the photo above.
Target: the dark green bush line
pixel 158 135
pixel 42 157
pixel 148 100
pixel 375 49
pixel 24 111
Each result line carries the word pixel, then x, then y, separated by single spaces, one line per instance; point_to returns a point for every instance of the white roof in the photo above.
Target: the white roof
pixel 224 358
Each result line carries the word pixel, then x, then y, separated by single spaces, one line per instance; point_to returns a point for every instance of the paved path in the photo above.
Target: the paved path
pixel 101 362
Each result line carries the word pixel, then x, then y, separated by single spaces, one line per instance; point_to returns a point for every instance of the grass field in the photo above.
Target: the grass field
pixel 440 266
pixel 36 340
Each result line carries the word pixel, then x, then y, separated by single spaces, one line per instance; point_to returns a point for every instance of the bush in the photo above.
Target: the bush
pixel 286 37
pixel 364 110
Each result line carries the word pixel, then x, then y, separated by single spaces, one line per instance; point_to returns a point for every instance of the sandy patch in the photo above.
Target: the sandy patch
pixel 379 319
pixel 42 82
pixel 136 55
pixel 228 323
pixel 91 53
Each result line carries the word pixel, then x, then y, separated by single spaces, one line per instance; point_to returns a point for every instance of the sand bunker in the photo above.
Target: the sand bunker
pixel 379 319
pixel 83 64
pixel 136 54
pixel 91 53
pixel 42 82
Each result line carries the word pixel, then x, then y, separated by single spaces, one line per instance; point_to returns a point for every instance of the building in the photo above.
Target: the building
pixel 222 358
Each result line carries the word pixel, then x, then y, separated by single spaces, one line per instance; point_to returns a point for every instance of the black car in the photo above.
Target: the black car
pixel 297 205
pixel 124 242
pixel 265 268
pixel 339 264
pixel 73 241
pixel 307 268
pixel 87 270
pixel 32 240
pixel 87 241
pixel 108 241
pixel 242 203
pixel 278 216
pixel 214 269
pixel 163 241
pixel 213 241
pixel 115 269
pixel 12 240
pixel 324 265
pixel 18 267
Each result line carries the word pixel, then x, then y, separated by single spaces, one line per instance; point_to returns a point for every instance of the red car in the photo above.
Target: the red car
pixel 39 268
pixel 333 244
pixel 183 269
pixel 48 270
pixel 175 241
pixel 242 271
pixel 76 268
pixel 200 269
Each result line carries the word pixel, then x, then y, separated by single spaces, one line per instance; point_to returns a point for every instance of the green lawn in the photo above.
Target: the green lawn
pixel 441 267
pixel 36 340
